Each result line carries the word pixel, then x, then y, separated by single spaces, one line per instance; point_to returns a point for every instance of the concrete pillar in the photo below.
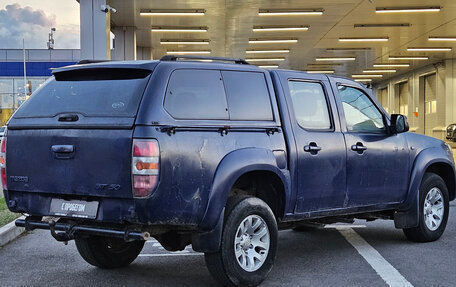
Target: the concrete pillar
pixel 95 27
pixel 124 43
pixel 144 53
pixel 440 126
pixel 450 94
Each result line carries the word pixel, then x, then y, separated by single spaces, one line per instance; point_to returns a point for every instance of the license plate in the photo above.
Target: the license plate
pixel 74 208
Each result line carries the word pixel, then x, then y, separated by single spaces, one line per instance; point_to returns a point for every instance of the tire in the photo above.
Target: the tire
pixel 432 220
pixel 107 252
pixel 224 264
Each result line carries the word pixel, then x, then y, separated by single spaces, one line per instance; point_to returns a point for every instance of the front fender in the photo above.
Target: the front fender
pixel 408 214
pixel 232 166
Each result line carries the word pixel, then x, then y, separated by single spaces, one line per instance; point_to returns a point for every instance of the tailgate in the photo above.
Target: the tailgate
pixel 80 162
pixel 74 135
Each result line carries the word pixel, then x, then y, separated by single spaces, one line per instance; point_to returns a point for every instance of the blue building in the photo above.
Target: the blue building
pixel 14 87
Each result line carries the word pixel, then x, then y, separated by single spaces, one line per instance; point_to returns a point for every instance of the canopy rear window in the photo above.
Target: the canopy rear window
pixel 95 92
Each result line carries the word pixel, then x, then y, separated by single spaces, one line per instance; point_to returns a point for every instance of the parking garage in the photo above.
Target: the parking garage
pixel 403 51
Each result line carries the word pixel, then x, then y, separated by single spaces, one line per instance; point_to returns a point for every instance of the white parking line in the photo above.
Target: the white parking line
pixel 156 245
pixel 171 254
pixel 345 226
pixel 384 269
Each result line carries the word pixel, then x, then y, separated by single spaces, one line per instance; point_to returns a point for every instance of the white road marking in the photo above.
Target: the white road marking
pixel 171 254
pixel 384 269
pixel 345 226
pixel 156 245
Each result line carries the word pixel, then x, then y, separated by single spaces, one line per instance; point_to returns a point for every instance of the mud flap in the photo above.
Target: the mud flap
pixel 209 241
pixel 408 218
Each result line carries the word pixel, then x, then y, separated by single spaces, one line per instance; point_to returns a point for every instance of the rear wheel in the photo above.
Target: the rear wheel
pixel 434 208
pixel 107 252
pixel 249 243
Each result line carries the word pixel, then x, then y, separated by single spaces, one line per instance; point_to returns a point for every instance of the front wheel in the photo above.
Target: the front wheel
pixel 433 213
pixel 107 252
pixel 249 243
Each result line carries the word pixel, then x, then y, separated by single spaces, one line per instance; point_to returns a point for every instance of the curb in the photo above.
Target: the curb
pixel 10 232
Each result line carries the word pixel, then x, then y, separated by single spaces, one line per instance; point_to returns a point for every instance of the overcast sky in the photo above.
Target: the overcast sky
pixel 32 20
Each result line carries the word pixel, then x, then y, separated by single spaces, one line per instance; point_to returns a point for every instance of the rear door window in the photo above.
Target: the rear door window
pixel 248 96
pixel 310 105
pixel 196 94
pixel 106 92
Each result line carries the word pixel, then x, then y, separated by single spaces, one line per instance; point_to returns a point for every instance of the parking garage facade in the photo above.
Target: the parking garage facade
pixel 403 51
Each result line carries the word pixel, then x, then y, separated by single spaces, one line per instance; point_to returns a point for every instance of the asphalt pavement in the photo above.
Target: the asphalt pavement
pixel 321 257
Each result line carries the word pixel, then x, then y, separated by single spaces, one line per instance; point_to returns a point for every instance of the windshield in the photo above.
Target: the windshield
pixel 100 97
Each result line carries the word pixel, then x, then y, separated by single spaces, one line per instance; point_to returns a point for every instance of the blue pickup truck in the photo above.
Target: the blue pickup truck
pixel 219 155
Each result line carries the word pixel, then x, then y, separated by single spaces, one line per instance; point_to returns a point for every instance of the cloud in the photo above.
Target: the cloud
pixel 28 15
pixel 67 37
pixel 33 25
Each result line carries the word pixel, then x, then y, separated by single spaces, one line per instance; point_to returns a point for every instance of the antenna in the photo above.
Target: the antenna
pixel 50 43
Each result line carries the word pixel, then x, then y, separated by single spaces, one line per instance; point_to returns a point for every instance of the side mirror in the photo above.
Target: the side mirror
pixel 399 123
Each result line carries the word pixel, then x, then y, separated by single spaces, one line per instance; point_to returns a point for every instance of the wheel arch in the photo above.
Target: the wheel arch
pixel 264 184
pixel 446 172
pixel 428 160
pixel 249 164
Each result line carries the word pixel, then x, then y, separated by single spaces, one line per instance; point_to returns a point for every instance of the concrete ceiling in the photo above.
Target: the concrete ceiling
pixel 230 26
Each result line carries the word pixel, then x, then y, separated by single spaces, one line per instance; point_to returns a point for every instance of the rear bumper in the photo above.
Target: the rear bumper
pixel 148 212
pixel 68 231
pixel 110 210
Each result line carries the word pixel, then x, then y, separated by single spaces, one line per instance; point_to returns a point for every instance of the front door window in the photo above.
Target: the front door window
pixel 361 115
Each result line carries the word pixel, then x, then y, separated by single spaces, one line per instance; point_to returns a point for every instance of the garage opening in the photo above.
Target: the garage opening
pixel 430 104
pixel 402 97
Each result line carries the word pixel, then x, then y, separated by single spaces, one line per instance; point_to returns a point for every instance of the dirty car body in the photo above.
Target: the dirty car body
pixel 162 146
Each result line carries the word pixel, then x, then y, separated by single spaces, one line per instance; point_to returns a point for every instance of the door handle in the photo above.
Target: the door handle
pixel 63 151
pixel 68 118
pixel 358 147
pixel 63 148
pixel 312 147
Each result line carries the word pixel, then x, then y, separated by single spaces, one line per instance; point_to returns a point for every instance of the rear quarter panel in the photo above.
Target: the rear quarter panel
pixel 189 159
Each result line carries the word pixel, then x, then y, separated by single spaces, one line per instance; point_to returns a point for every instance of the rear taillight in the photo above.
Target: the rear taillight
pixel 145 167
pixel 3 161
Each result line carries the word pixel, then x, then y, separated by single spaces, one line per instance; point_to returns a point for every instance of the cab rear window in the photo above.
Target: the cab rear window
pixel 115 93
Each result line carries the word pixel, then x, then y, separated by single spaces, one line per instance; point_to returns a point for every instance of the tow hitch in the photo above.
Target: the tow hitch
pixel 63 231
pixel 61 236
